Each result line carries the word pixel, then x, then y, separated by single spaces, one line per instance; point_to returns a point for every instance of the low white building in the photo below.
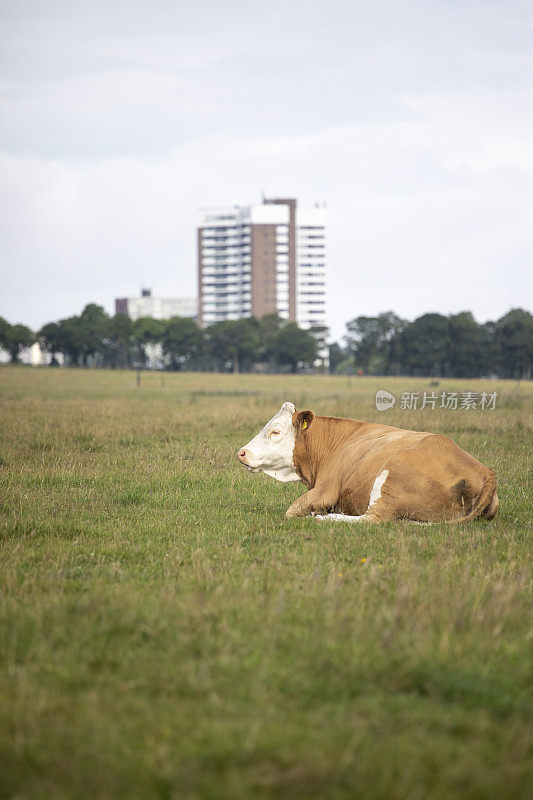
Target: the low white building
pixel 156 307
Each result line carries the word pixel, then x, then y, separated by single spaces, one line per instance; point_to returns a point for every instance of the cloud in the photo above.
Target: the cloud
pixel 413 120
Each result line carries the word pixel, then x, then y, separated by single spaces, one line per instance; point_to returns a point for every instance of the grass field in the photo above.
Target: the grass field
pixel 165 631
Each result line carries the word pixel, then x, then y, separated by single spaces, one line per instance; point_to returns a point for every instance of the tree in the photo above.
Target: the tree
pixel 182 340
pixel 147 331
pixel 235 341
pixel 51 339
pixel 293 346
pixel 118 339
pixel 92 331
pixel 425 346
pixel 5 327
pixel 18 338
pixel 70 339
pixel 491 345
pixel 320 335
pixel 468 352
pixel 514 341
pixel 374 342
pixel 269 325
pixel 339 359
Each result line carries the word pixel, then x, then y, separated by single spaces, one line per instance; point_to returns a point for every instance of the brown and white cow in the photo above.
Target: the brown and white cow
pixel 365 472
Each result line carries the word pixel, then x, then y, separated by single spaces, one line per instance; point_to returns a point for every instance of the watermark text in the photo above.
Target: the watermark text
pixel 450 401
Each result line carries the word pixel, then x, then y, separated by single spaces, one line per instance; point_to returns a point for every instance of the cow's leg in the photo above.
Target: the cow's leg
pixel 341 518
pixel 317 499
pixel 360 518
pixel 378 510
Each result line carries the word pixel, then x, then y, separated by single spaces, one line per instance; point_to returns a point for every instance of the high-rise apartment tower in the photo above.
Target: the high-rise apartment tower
pixel 263 259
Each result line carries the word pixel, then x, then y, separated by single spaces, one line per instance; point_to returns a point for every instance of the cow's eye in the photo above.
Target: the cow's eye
pixel 274 433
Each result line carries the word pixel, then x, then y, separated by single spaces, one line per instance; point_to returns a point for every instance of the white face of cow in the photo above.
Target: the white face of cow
pixel 271 450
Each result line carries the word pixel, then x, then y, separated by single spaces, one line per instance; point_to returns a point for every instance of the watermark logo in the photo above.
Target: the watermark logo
pixel 384 400
pixel 451 401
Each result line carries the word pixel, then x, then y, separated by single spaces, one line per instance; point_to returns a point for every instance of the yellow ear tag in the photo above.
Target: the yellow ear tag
pixel 304 426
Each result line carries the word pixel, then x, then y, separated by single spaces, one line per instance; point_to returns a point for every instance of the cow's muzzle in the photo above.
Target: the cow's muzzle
pixel 242 455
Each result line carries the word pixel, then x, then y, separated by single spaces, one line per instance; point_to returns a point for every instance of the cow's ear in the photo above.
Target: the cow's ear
pixel 302 420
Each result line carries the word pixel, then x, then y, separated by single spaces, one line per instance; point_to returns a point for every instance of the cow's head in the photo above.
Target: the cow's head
pixel 271 451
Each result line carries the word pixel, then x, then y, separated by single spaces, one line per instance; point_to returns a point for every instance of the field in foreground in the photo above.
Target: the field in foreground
pixel 165 632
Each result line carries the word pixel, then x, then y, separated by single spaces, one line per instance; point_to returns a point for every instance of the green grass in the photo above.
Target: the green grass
pixel 165 631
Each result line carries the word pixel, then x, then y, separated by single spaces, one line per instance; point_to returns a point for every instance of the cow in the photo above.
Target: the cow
pixel 365 472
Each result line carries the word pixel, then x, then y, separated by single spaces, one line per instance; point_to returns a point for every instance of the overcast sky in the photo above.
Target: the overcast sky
pixel 413 120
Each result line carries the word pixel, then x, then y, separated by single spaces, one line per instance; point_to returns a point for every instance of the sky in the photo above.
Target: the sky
pixel 412 119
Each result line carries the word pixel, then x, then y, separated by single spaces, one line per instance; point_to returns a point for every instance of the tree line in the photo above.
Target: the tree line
pixel 96 339
pixel 436 345
pixel 431 345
